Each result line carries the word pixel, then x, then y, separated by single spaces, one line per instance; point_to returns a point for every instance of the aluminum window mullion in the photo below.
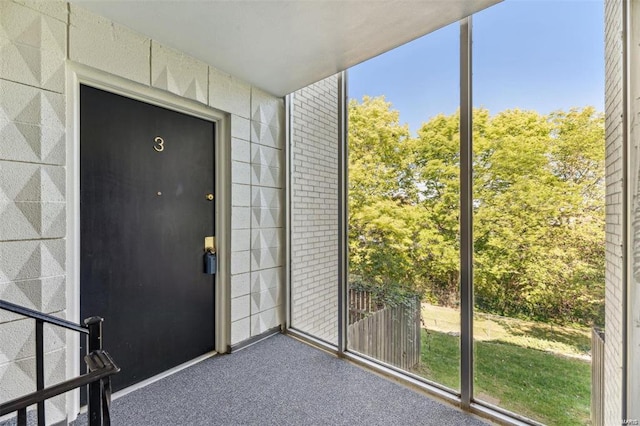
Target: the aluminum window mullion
pixel 343 194
pixel 466 216
pixel 288 229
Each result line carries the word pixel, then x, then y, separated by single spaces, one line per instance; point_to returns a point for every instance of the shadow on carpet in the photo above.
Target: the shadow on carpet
pixel 279 381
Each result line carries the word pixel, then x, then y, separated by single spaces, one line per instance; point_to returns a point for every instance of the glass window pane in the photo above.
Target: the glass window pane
pixel 538 205
pixel 403 141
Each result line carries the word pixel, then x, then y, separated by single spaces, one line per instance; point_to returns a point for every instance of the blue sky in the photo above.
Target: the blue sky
pixel 543 55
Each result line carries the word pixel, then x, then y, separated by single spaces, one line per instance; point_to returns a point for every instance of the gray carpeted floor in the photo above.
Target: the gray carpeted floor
pixel 280 381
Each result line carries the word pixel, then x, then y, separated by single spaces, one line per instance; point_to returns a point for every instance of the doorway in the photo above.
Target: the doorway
pixel 146 206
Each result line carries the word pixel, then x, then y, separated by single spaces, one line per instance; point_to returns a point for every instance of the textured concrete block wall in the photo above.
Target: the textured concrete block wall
pixel 314 209
pixel 257 141
pixel 32 191
pixel 257 132
pixel 614 213
pixel 257 220
pixel 36 40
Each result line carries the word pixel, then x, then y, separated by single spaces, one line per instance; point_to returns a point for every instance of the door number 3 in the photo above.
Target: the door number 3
pixel 159 146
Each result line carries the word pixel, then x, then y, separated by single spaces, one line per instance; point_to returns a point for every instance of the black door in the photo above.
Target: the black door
pixel 146 186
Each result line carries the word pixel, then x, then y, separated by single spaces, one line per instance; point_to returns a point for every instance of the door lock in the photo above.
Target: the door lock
pixel 210 244
pixel 210 260
pixel 210 263
pixel 210 197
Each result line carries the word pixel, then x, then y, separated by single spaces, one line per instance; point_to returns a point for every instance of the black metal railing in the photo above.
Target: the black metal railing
pixel 101 368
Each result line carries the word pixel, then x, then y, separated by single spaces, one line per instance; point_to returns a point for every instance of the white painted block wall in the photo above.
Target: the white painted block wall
pixel 634 285
pixel 32 191
pixel 314 209
pixel 614 214
pixel 33 55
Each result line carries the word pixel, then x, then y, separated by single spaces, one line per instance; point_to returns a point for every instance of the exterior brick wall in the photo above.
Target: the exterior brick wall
pixel 314 210
pixel 633 409
pixel 614 213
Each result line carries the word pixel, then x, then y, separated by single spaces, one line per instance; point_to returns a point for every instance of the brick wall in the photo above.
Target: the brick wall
pixel 36 41
pixel 314 209
pixel 614 214
pixel 634 181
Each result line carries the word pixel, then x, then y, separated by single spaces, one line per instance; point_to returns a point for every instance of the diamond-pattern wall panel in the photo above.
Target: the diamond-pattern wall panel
pixel 265 300
pixel 267 109
pixel 55 367
pixel 264 321
pixel 266 258
pixel 23 260
pixel 18 378
pixel 21 339
pixel 32 47
pixel 266 279
pixel 31 182
pixel 266 198
pixel 266 247
pixel 33 41
pixel 264 134
pixel 31 201
pixel 32 124
pixel 20 220
pixel 267 176
pixel 44 294
pixel 178 73
pixel 266 156
pixel 266 238
pixel 266 218
pixel 267 119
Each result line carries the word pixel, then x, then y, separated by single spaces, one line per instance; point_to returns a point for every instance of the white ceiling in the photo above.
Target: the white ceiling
pixel 283 45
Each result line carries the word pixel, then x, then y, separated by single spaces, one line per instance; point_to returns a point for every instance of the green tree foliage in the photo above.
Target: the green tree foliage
pixel 538 209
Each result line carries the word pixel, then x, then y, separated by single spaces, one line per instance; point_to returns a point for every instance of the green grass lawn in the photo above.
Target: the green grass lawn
pixel 543 386
pixel 564 340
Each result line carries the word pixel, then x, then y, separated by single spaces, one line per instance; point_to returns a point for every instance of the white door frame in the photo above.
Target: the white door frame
pixel 77 74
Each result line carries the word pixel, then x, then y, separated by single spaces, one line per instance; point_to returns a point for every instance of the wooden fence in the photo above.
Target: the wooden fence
pixel 361 305
pixel 597 377
pixel 389 334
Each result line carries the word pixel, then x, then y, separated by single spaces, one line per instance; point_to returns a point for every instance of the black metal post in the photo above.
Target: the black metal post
pixel 40 368
pixel 106 401
pixel 94 409
pixel 22 417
